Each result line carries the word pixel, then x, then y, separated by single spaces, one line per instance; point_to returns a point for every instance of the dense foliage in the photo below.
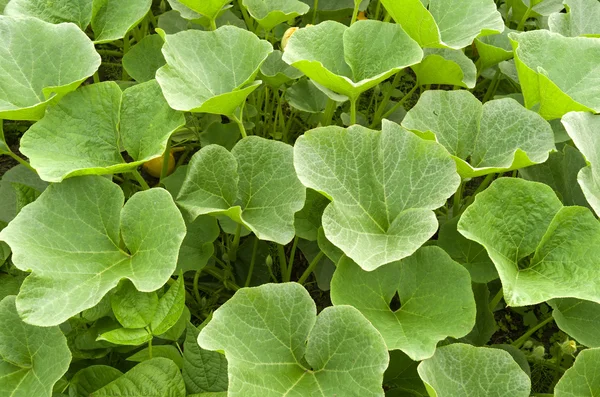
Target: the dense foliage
pixel 292 198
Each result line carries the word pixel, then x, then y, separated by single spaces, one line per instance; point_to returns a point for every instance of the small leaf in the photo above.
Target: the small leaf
pixel 485 323
pixel 275 72
pixel 402 375
pixel 579 319
pixel 305 96
pixel 126 336
pixel 92 378
pixel 308 220
pixel 57 11
pixel 203 370
pixel 208 8
pixel 166 351
pixel 112 19
pixel 143 59
pixel 494 49
pixel 581 380
pixel 270 13
pixel 446 66
pixel 169 308
pixel 132 308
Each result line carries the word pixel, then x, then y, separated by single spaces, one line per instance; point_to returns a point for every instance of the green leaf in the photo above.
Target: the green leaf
pixel 197 246
pixel 494 49
pixel 275 72
pixel 34 78
pixel 459 369
pixel 485 323
pixel 270 13
pixel 9 285
pixel 143 60
pixel 384 186
pixel 578 318
pixel 20 175
pixel 158 377
pixel 402 376
pixel 423 318
pixel 541 249
pixel 581 380
pixel 470 131
pixel 170 308
pixel 542 57
pixel 83 220
pixel 277 339
pixel 446 66
pixel 112 19
pixel 32 359
pixel 175 332
pixel 446 23
pixel 305 96
pixel 126 336
pixel 583 129
pixel 255 185
pixel 57 11
pixel 350 60
pixel 325 267
pixel 208 8
pixel 211 72
pixel 581 19
pixel 138 120
pixel 132 308
pixel 308 220
pixel 203 370
pixel 166 351
pixel 92 378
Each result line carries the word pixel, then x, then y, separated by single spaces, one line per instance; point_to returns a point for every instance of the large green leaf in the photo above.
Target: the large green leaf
pixel 582 19
pixel 270 13
pixel 384 186
pixel 583 129
pixel 446 66
pixel 550 80
pixel 32 73
pixel 255 185
pixel 158 377
pixel 423 318
pixel 112 19
pixel 350 60
pixel 143 60
pixel 32 359
pixel 541 249
pixel 70 238
pixel 402 378
pixel 211 72
pixel 578 318
pixel 277 346
pixel 581 380
pixel 499 136
pixel 77 11
pixel 446 23
pixel 464 370
pixel 9 201
pixel 92 378
pixel 203 370
pixel 86 131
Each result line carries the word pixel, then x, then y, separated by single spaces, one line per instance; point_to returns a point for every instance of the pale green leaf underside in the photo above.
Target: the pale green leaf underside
pixel 384 186
pixel 85 133
pixel 541 249
pixel 579 319
pixel 255 185
pixel 581 380
pixel 446 23
pixel 582 19
pixel 277 346
pixel 69 238
pixel 446 66
pixel 57 11
pixel 424 318
pixel 32 75
pixel 270 13
pixel 550 79
pixel 211 71
pixel 467 371
pixel 208 8
pixel 32 359
pixel 494 49
pixel 112 19
pixel 499 136
pixel 275 72
pixel 350 60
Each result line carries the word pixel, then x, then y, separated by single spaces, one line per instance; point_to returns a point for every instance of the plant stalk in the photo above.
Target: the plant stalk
pixel 252 261
pixel 497 298
pixel 235 244
pixel 397 105
pixel 140 179
pixel 519 342
pixel 386 97
pixel 288 275
pixel 311 267
pixel 166 157
pixel 353 111
pixel 282 261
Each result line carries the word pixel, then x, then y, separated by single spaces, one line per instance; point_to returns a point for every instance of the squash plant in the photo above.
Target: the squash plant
pixel 276 198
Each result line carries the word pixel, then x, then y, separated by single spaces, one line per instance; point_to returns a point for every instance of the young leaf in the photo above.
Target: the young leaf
pixel 581 380
pixel 582 19
pixel 132 308
pixel 494 49
pixel 255 185
pixel 169 308
pixel 270 13
pixel 208 8
pixel 305 96
pixel 92 378
pixel 166 351
pixel 112 19
pixel 211 72
pixel 578 318
pixel 126 336
pixel 83 220
pixel 275 72
pixel 197 246
pixel 423 318
pixel 34 78
pixel 143 60
pixel 445 66
pixel 384 186
pixel 350 60
pixel 58 11
pixel 278 345
pixel 541 249
pixel 32 359
pixel 499 136
pixel 203 370
pixel 464 370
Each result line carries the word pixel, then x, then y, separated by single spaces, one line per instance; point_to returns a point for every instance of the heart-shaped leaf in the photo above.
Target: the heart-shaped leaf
pixel 384 186
pixel 34 78
pixel 350 60
pixel 276 339
pixel 423 318
pixel 581 380
pixel 143 60
pixel 499 136
pixel 446 66
pixel 270 13
pixel 581 19
pixel 57 11
pixel 82 221
pixel 112 19
pixel 578 318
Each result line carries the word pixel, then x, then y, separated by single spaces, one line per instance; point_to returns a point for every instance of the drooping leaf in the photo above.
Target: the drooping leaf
pixel 270 13
pixel 278 346
pixel 494 49
pixel 92 378
pixel 255 185
pixel 112 19
pixel 305 96
pixel 464 370
pixel 77 11
pixel 275 72
pixel 32 359
pixel 550 81
pixel 211 72
pixel 383 186
pixel 446 23
pixel 132 308
pixel 203 370
pixel 581 380
pixel 541 249
pixel 445 66
pixel 578 318
pixel 8 196
pixel 350 60
pixel 85 133
pixel 423 318
pixel 83 220
pixel 581 19
pixel 36 77
pixel 485 324
pixel 143 60
pixel 499 136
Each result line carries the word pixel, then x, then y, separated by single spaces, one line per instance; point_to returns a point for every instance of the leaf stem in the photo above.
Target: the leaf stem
pixel 288 275
pixel 355 12
pixel 492 87
pixel 196 291
pixel 311 267
pixel 235 244
pixel 397 105
pixel 150 348
pixel 252 261
pixel 519 342
pixel 166 157
pixel 247 18
pixel 282 261
pixel 386 97
pixel 329 111
pixel 315 8
pixel 213 24
pixel 457 199
pixel 353 111
pixel 138 177
pixel 240 121
pixel 521 24
pixel 497 298
pixel 21 161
